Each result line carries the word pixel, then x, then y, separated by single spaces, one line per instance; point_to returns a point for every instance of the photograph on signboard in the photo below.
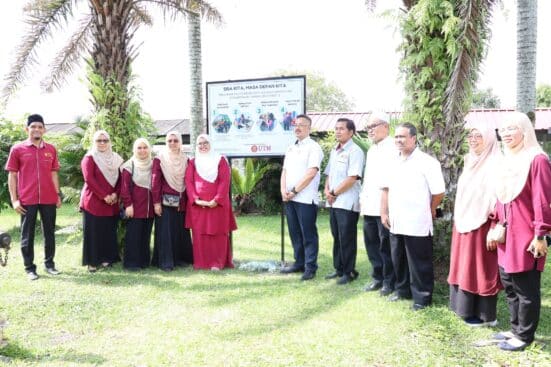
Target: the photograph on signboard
pixel 254 117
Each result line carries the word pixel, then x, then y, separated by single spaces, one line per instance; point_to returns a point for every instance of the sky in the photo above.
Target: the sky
pixel 351 47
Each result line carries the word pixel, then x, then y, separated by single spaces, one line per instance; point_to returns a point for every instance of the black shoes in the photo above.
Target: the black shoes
pixel 308 275
pixel 385 291
pixel 333 275
pixel 418 307
pixel 292 269
pixel 347 278
pixel 396 297
pixel 373 286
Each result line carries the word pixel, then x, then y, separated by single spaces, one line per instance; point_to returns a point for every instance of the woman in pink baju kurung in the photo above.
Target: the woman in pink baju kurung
pixel 524 198
pixel 210 215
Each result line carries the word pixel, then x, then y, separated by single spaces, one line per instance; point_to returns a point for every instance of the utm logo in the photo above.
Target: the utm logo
pixel 261 148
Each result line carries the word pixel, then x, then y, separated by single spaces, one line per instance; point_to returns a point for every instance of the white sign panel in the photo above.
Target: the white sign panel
pixel 248 118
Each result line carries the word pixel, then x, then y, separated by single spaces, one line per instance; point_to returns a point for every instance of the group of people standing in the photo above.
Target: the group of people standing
pixel 501 217
pixel 171 193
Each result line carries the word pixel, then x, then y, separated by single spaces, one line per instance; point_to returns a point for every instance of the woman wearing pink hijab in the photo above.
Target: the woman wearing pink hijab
pixel 473 277
pixel 523 208
pixel 209 206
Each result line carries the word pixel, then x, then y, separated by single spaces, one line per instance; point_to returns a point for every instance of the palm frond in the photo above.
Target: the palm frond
pixel 371 5
pixel 43 16
pixel 174 9
pixel 69 56
pixel 236 182
pixel 142 15
pixel 475 18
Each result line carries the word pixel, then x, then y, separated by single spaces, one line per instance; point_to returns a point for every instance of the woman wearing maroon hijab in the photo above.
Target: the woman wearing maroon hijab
pixel 209 207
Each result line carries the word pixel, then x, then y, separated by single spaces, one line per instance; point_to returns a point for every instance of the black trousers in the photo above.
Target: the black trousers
pixel 377 246
pixel 413 266
pixel 345 239
pixel 137 253
pixel 172 246
pixel 522 291
pixel 301 220
pixel 28 224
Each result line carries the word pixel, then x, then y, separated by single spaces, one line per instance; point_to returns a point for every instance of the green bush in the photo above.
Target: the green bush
pixel 10 133
pixel 70 150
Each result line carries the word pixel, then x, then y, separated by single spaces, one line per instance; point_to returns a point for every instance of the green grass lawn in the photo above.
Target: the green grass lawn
pixel 231 318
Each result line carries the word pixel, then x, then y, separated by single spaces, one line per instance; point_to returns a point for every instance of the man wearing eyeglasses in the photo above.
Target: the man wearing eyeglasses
pixel 34 188
pixel 413 187
pixel 376 235
pixel 299 184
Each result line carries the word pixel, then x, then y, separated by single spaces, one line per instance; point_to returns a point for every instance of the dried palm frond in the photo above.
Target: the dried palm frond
pixel 43 16
pixel 69 56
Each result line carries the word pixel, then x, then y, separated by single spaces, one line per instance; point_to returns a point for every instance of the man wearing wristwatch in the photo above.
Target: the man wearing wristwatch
pixel 34 188
pixel 299 184
pixel 342 190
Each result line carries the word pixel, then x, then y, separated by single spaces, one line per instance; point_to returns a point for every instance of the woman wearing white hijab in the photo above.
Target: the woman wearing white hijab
pixel 473 277
pixel 523 207
pixel 172 241
pixel 210 214
pixel 138 204
pixel 99 203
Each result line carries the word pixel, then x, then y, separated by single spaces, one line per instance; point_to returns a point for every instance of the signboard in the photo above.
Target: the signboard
pixel 254 117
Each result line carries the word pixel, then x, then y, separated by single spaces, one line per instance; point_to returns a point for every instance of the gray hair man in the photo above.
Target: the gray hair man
pixel 376 236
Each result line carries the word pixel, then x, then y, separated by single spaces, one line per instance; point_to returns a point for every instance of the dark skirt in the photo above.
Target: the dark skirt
pixel 466 304
pixel 172 241
pixel 99 239
pixel 137 253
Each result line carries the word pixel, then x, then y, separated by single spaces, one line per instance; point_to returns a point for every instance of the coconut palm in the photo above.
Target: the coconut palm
pixel 104 37
pixel 527 24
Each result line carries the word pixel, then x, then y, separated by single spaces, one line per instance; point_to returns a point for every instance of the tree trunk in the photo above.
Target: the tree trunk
pixel 196 78
pixel 111 50
pixel 527 24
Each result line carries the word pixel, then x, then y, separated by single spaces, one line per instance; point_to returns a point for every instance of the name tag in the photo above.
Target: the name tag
pixel 343 158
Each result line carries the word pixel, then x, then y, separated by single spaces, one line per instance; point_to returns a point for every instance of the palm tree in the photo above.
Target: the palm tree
pixel 195 79
pixel 104 38
pixel 527 24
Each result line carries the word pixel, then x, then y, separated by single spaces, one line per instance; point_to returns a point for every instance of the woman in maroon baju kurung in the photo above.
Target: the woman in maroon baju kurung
pixel 99 203
pixel 524 199
pixel 473 277
pixel 138 206
pixel 210 215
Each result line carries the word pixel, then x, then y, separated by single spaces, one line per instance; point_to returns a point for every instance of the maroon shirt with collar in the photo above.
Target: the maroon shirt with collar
pixel 34 166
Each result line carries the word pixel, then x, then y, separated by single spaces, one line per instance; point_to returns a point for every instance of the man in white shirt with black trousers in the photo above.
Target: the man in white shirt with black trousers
pixel 376 236
pixel 412 190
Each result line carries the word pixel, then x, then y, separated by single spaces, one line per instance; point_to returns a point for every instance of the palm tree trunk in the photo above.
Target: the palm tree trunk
pixel 111 51
pixel 527 24
pixel 196 78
